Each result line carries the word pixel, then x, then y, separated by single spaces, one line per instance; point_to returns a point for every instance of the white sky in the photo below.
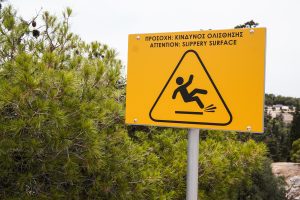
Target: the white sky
pixel 111 21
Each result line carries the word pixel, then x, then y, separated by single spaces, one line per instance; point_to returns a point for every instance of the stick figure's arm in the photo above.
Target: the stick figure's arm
pixel 175 93
pixel 190 80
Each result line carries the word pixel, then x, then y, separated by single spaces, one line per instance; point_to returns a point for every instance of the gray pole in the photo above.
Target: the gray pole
pixel 192 167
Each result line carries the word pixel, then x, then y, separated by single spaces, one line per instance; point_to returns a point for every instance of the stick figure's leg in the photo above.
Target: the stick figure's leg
pixel 200 91
pixel 199 102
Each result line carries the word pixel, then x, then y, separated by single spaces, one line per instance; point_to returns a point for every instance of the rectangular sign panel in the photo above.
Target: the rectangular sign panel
pixel 201 79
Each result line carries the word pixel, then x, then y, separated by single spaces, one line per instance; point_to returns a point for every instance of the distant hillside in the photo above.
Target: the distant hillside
pixel 271 99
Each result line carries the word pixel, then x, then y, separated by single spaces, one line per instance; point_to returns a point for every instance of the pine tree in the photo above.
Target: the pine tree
pixel 295 128
pixel 61 105
pixel 295 153
pixel 276 136
pixel 248 24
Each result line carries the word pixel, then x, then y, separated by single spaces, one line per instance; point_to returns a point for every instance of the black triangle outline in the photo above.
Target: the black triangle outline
pixel 212 82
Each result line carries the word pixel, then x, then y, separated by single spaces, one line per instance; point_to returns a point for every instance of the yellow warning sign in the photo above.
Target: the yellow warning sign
pixel 200 79
pixel 191 96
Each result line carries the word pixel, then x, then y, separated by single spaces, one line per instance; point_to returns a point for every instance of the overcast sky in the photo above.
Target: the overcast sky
pixel 111 21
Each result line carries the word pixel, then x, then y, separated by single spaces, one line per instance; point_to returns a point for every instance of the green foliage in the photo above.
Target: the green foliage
pixel 227 165
pixel 167 151
pixel 228 168
pixel 265 185
pixel 61 109
pixel 295 127
pixel 271 99
pixel 295 153
pixel 249 24
pixel 277 139
pixel 279 136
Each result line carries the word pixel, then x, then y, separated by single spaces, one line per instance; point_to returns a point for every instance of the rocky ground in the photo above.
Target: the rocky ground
pixel 291 174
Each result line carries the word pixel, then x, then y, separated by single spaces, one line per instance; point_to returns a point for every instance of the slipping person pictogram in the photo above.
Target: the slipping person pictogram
pixel 190 96
pixel 186 96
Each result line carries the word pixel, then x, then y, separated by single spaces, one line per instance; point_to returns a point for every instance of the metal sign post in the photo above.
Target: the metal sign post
pixel 192 167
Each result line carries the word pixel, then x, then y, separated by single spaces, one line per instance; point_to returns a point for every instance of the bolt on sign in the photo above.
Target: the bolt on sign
pixel 200 79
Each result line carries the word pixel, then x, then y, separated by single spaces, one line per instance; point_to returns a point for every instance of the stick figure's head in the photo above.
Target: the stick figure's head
pixel 179 80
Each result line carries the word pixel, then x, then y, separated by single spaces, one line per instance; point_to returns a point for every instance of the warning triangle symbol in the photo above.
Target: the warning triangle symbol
pixel 190 96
